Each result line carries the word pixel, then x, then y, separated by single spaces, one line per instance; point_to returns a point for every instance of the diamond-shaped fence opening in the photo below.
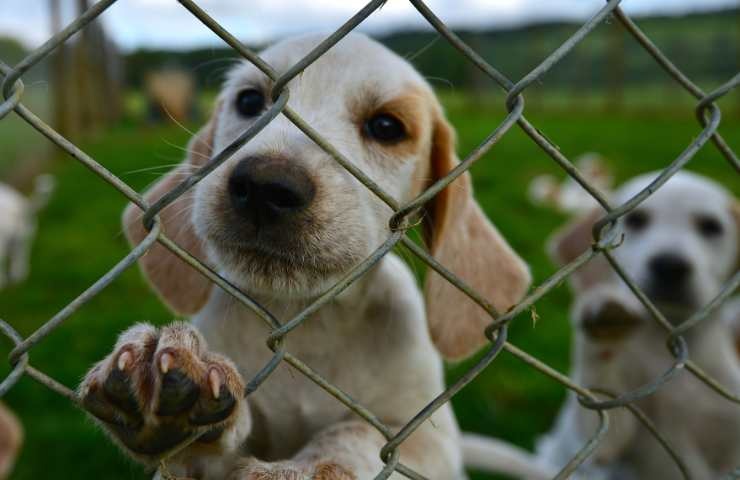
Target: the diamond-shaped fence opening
pixel 707 113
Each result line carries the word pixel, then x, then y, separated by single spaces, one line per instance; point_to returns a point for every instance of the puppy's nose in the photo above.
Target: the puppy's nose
pixel 669 268
pixel 269 189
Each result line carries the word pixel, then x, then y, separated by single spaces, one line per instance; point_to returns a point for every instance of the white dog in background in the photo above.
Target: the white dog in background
pixel 567 196
pixel 680 246
pixel 18 227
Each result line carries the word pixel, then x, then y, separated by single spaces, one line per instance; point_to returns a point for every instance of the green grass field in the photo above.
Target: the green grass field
pixel 80 239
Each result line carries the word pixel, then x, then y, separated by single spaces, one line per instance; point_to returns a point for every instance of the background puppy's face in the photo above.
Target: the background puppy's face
pixel 680 245
pixel 281 214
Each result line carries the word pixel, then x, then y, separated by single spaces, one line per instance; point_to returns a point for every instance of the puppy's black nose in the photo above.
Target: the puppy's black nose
pixel 268 189
pixel 669 268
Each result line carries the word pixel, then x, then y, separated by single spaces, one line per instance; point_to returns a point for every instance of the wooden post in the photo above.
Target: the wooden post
pixel 64 120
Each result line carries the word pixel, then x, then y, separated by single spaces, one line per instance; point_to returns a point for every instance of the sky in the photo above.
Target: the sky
pixel 166 24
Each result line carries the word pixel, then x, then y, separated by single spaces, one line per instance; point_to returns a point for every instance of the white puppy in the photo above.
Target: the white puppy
pixel 680 246
pixel 567 195
pixel 17 228
pixel 283 221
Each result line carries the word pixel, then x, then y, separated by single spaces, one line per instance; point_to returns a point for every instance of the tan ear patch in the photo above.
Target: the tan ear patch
pixel 407 108
pixel 735 212
pixel 570 242
pixel 179 285
pixel 11 439
pixel 462 239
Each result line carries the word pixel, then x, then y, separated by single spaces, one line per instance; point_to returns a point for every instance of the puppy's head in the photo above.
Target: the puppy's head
pixel 680 245
pixel 281 217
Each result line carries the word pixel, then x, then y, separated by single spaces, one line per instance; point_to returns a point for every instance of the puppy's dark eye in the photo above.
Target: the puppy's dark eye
pixel 637 220
pixel 709 227
pixel 250 102
pixel 385 128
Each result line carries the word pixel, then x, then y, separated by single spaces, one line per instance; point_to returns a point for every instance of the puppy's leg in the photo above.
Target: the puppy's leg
pixel 161 389
pixel 350 450
pixel 655 463
pixel 608 318
pixel 4 261
pixel 19 258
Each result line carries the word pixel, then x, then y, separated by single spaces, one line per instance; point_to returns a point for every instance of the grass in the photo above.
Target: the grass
pixel 80 239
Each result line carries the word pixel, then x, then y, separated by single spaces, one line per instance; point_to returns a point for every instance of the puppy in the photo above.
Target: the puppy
pixel 568 196
pixel 283 221
pixel 679 246
pixel 18 227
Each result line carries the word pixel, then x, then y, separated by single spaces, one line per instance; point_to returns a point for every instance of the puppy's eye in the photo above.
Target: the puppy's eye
pixel 385 128
pixel 637 220
pixel 250 102
pixel 709 227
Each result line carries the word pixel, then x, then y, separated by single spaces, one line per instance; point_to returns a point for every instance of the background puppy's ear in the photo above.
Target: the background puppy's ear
pixel 462 239
pixel 572 240
pixel 179 285
pixel 735 212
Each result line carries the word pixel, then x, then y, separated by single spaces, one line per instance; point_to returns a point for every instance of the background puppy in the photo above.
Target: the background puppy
pixel 282 221
pixel 679 246
pixel 567 195
pixel 18 226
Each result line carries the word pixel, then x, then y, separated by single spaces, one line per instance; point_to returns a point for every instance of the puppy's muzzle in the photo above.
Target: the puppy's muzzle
pixel 267 190
pixel 610 322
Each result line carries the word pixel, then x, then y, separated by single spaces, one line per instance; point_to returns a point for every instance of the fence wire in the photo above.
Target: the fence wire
pixel 605 234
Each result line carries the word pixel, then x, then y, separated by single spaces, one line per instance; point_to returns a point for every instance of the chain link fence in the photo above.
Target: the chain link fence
pixel 605 234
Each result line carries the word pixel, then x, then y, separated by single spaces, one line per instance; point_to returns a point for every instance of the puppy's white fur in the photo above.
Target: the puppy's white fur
pixel 567 195
pixel 373 341
pixel 627 350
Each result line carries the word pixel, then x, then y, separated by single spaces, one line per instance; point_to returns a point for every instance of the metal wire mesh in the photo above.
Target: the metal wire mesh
pixel 707 113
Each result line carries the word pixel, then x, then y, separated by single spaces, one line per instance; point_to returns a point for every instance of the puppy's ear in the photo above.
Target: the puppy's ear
pixel 732 309
pixel 179 285
pixel 735 212
pixel 462 239
pixel 572 240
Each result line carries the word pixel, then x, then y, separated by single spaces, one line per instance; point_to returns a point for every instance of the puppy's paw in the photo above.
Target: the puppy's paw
pixel 608 314
pixel 162 388
pixel 253 469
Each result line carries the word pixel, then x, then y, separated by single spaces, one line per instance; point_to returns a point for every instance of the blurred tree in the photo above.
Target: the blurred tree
pixel 616 66
pixel 86 77
pixel 62 115
pixel 479 84
pixel 11 50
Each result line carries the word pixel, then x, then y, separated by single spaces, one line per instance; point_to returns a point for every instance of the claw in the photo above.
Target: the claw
pixel 166 361
pixel 214 380
pixel 124 360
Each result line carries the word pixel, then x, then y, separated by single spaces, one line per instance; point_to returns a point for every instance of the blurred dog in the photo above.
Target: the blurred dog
pixel 18 227
pixel 679 246
pixel 568 196
pixel 11 438
pixel 283 221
